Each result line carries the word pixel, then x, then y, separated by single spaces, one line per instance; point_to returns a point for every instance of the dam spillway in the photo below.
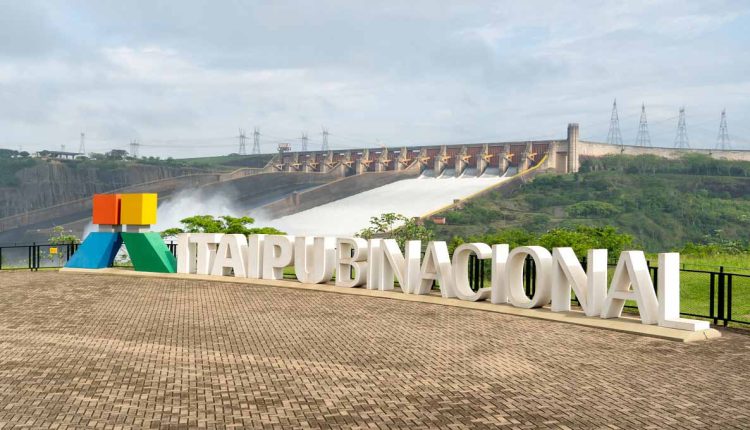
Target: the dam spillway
pixel 413 197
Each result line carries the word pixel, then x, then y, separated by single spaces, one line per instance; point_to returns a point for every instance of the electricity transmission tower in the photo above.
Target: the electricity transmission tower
pixel 325 140
pixel 256 141
pixel 722 142
pixel 681 140
pixel 614 137
pixel 134 145
pixel 643 138
pixel 82 146
pixel 303 142
pixel 243 146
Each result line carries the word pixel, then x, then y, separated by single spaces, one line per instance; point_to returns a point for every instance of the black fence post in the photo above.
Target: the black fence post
pixel 711 298
pixel 729 299
pixel 722 279
pixel 481 273
pixel 533 277
pixel 527 275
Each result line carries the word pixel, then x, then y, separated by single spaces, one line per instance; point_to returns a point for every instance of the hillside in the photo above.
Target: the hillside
pixel 663 203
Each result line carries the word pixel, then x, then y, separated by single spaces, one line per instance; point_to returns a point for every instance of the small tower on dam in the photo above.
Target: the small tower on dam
pixel 572 148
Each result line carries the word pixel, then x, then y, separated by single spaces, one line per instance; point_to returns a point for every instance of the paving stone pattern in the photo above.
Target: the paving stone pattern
pixel 117 352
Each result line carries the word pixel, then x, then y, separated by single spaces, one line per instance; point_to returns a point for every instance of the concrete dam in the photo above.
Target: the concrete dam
pixel 296 190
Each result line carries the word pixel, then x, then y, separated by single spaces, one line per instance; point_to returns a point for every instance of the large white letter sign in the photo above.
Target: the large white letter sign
pixel 632 270
pixel 461 271
pixel 351 254
pixel 278 253
pixel 405 268
pixel 668 281
pixel 436 267
pixel 254 254
pixel 590 288
pixel 230 255
pixel 314 259
pixel 185 258
pixel 499 287
pixel 375 264
pixel 514 276
pixel 205 250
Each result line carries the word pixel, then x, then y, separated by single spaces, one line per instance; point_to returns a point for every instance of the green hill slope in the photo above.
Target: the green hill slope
pixel 663 203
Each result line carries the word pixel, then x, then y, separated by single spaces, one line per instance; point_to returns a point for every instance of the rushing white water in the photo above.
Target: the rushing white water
pixel 409 197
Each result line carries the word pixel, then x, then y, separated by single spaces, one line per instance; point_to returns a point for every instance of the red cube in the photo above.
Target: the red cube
pixel 106 209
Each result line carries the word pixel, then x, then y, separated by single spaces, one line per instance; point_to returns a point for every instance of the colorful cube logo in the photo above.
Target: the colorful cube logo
pixel 130 209
pixel 147 250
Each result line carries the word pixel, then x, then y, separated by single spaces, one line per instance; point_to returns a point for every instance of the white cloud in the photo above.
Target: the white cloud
pixel 396 73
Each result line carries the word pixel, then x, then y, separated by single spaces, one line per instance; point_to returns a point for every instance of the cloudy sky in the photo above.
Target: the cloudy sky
pixel 182 77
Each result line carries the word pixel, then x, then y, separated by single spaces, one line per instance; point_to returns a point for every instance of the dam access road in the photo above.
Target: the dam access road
pixel 83 350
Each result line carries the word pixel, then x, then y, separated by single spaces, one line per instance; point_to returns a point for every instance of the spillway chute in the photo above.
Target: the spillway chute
pixel 414 197
pixel 511 171
pixel 491 172
pixel 427 173
pixel 447 173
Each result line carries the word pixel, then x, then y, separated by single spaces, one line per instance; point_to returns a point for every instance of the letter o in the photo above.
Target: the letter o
pixel 514 276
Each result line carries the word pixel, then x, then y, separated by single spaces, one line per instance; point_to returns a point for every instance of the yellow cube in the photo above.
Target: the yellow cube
pixel 138 209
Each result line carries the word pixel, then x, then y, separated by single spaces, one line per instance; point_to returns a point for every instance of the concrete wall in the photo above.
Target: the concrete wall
pixel 164 187
pixel 253 191
pixel 597 149
pixel 48 183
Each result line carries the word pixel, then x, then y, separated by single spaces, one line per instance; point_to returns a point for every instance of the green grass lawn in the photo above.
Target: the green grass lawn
pixel 695 290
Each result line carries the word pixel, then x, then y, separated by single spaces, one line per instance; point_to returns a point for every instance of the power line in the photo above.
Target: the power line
pixel 256 141
pixel 722 142
pixel 643 138
pixel 243 147
pixel 303 142
pixel 614 137
pixel 324 146
pixel 134 145
pixel 82 146
pixel 681 140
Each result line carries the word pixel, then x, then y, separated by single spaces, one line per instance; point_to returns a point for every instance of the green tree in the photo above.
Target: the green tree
pixel 514 237
pixel 223 224
pixel 59 236
pixel 396 226
pixel 583 238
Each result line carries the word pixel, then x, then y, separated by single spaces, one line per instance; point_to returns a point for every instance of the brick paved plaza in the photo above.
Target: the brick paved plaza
pixel 111 351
